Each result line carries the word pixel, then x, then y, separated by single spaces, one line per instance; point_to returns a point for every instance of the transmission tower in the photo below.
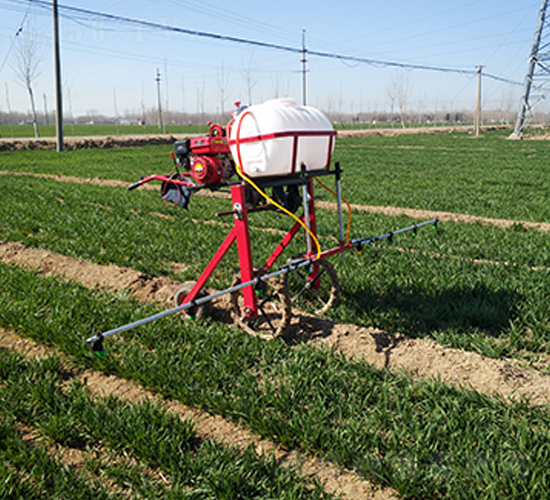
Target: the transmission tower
pixel 537 80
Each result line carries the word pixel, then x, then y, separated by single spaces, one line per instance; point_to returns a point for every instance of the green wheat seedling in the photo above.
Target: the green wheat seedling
pixel 479 288
pixel 29 472
pixel 418 436
pixel 449 172
pixel 36 393
pixel 489 177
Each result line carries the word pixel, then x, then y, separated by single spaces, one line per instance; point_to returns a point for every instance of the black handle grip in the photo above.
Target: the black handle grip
pixel 134 186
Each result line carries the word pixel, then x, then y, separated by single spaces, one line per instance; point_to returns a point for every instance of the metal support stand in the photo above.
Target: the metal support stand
pixel 239 234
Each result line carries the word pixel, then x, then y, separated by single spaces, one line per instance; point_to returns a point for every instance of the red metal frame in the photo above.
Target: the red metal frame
pixel 240 234
pixel 342 247
pixel 295 136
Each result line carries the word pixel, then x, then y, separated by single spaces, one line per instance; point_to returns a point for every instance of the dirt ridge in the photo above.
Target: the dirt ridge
pixel 87 142
pixel 132 140
pixel 336 480
pixel 426 358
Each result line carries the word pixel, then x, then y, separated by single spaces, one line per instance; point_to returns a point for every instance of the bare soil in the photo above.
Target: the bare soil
pixel 123 141
pixel 383 349
pixel 336 480
pixel 393 132
pixel 98 142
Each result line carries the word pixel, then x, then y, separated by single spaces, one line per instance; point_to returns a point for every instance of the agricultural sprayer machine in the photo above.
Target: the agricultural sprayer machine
pixel 269 157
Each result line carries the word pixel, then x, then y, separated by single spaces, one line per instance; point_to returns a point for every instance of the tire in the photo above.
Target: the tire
pixel 304 296
pixel 197 312
pixel 274 307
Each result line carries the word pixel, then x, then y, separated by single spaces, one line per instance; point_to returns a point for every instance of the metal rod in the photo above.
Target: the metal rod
pixel 291 266
pixel 305 199
pixel 197 302
pixel 364 241
pixel 60 146
pixel 339 199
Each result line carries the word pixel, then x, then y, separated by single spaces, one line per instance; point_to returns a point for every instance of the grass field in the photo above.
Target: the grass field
pixel 482 288
pixel 453 172
pixel 80 130
pixel 451 298
pixel 9 131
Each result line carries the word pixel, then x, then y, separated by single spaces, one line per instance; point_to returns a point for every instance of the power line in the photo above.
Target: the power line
pixel 218 12
pixel 163 27
pixel 17 33
pixel 246 41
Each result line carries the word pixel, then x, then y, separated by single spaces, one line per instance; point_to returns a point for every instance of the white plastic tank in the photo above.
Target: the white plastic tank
pixel 275 138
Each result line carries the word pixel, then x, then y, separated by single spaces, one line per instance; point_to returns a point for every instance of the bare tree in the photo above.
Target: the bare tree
pixel 223 82
pixel 276 84
pixel 508 103
pixel 9 109
pixel 280 88
pixel 249 80
pixel 391 91
pixel 28 67
pixel 340 104
pixel 200 103
pixel 399 93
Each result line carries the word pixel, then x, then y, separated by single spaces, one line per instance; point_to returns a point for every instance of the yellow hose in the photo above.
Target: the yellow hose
pixel 245 178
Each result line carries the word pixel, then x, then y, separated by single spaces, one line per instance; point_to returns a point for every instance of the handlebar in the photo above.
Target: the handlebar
pixel 164 178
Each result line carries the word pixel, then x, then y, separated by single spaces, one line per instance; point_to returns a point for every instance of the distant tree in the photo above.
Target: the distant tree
pixel 223 83
pixel 28 67
pixel 249 79
pixel 392 96
pixel 403 93
pixel 280 88
pixel 508 103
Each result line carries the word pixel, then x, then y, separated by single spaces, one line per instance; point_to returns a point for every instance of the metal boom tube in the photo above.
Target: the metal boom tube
pixel 293 266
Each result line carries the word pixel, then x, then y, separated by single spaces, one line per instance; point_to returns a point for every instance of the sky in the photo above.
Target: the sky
pixel 110 66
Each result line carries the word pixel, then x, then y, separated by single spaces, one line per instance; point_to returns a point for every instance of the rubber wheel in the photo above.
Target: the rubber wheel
pixel 196 312
pixel 305 296
pixel 274 310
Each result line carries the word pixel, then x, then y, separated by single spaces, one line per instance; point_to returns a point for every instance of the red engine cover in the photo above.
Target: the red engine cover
pixel 206 169
pixel 209 146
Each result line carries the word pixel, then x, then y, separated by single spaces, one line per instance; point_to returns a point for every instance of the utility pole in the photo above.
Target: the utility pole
pixel 116 111
pixel 45 109
pixel 9 109
pixel 157 79
pixel 537 60
pixel 304 67
pixel 477 114
pixel 58 95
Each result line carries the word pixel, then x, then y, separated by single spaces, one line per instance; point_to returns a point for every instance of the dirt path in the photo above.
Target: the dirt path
pixel 335 480
pixel 442 216
pixel 382 349
pixel 392 211
pixel 133 140
pixel 87 142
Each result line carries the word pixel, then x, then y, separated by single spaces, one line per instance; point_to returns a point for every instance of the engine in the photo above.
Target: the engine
pixel 273 141
pixel 207 159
